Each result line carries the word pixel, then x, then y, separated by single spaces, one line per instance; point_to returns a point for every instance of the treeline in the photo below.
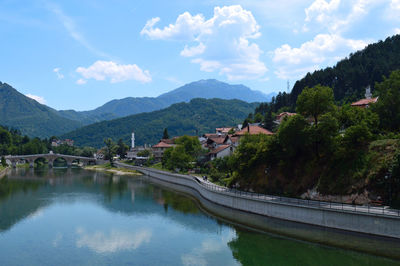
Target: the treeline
pixel 12 142
pixel 333 149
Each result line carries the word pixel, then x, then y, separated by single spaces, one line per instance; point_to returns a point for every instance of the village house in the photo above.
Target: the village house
pixel 220 152
pixel 159 149
pixel 279 118
pixel 231 140
pixel 365 103
pixel 58 142
pixel 252 130
pixel 223 131
pixel 213 142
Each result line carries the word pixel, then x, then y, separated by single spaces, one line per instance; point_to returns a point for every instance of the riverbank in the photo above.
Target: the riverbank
pixel 361 219
pixel 3 171
pixel 113 170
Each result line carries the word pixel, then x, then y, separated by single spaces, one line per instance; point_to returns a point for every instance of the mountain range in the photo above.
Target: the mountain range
pixel 206 89
pixel 38 120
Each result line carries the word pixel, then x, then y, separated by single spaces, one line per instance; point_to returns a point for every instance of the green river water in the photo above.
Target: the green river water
pixel 79 217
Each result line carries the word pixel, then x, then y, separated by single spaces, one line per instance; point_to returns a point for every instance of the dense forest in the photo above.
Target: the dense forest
pixel 197 117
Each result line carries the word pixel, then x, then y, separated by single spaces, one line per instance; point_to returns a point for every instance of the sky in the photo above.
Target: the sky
pixel 81 54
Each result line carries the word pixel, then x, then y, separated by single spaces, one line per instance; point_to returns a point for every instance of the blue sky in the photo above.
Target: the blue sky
pixel 81 54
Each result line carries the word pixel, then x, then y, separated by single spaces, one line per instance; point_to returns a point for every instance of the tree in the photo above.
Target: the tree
pixel 144 153
pixel 110 150
pixel 3 161
pixel 388 105
pixel 122 148
pixel 268 120
pixel 165 134
pixel 191 145
pixel 294 136
pixel 258 118
pixel 315 101
pixel 185 152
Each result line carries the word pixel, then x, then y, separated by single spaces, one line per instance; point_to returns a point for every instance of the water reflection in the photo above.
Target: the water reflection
pixel 72 216
pixel 114 241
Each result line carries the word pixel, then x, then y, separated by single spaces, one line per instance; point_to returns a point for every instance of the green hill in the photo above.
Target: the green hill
pixel 30 117
pixel 198 116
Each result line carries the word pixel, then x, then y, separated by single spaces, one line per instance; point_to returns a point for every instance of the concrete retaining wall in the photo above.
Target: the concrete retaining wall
pixel 346 220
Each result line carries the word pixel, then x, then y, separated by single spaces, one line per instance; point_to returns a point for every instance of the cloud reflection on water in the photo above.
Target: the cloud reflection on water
pixel 114 241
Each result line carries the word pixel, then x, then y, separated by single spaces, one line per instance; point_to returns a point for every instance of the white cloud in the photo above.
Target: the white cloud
pixel 322 50
pixel 393 11
pixel 397 31
pixel 319 9
pixel 57 71
pixel 193 51
pixel 339 16
pixel 186 27
pixel 81 81
pixel 220 43
pixel 102 70
pixel 115 241
pixel 39 99
pixel 395 4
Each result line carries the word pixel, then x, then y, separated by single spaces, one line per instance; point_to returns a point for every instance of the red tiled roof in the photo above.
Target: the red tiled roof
pixel 218 140
pixel 219 148
pixel 168 141
pixel 363 102
pixel 253 130
pixel 162 144
pixel 284 114
pixel 234 139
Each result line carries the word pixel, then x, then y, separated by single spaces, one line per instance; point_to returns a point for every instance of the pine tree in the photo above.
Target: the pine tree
pixel 165 134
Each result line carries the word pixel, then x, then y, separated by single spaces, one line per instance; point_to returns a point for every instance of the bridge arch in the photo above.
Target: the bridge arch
pixel 50 158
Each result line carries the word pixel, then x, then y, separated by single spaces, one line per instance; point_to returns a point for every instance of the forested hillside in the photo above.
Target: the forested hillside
pixel 29 116
pixel 350 76
pixel 196 117
pixel 328 148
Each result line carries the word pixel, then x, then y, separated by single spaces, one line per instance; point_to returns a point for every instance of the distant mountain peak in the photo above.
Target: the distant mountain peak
pixel 204 88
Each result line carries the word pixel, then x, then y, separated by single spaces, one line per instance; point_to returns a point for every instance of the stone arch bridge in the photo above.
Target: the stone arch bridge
pixel 50 157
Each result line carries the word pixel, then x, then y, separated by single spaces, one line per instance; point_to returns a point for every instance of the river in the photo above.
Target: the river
pixel 78 217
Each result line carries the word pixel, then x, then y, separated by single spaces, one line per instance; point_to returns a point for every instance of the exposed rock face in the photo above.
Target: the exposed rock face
pixel 356 198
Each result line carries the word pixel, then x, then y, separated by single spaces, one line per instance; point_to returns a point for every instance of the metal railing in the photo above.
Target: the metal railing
pixel 339 206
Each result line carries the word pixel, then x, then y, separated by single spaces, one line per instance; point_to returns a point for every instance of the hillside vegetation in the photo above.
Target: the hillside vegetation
pixel 29 116
pixel 334 150
pixel 196 117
